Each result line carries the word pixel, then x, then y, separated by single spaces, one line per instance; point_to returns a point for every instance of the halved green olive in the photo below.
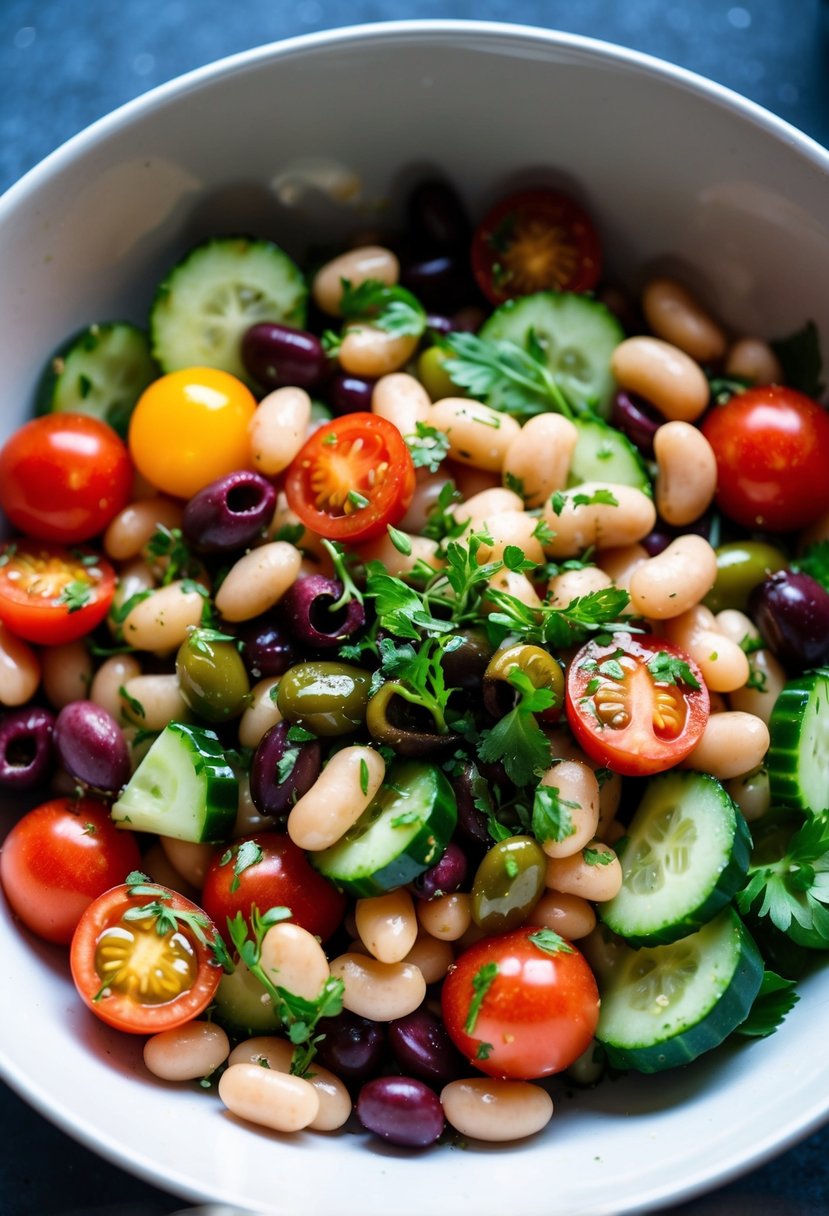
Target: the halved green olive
pixel 537 664
pixel 508 883
pixel 741 566
pixel 407 728
pixel 326 698
pixel 211 675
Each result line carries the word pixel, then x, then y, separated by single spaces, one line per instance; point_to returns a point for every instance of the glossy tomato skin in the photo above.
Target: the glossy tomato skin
pixel 63 477
pixel 353 478
pixel 538 1013
pixel 660 721
pixel 282 877
pixel 535 240
pixel 125 1007
pixel 772 449
pixel 51 595
pixel 60 857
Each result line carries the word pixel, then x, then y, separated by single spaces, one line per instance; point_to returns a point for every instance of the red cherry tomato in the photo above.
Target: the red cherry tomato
pixel 536 240
pixel 60 857
pixel 63 477
pixel 353 477
pixel 51 595
pixel 772 450
pixel 279 876
pixel 144 973
pixel 518 1006
pixel 636 704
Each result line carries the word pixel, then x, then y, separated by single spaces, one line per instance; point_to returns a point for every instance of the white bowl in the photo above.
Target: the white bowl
pixel 677 171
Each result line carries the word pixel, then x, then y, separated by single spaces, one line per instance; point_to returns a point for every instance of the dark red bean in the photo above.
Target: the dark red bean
pixel 437 217
pixel 423 1049
pixel 230 513
pixel 471 792
pixel 439 324
pixel 349 394
pixel 91 747
pixel 267 648
pixel 282 771
pixel 26 756
pixel 306 609
pixel 637 419
pixel 791 610
pixel 445 876
pixel 354 1048
pixel 401 1110
pixel 440 281
pixel 277 355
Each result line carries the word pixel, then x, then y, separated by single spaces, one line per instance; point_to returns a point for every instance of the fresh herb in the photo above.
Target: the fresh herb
pixel 440 520
pixel 794 890
pixel 518 376
pixel 358 501
pixel 340 561
pixel 405 818
pixel 814 561
pixel 286 764
pixel 364 776
pixel 597 857
pixel 511 867
pixel 428 447
pixel 517 741
pixel 75 595
pixel 167 918
pixel 551 818
pixel 549 942
pixel 773 1002
pixel 298 734
pixel 564 625
pixel 416 675
pixel 400 541
pixel 133 704
pixel 668 669
pixel 483 1051
pixel 168 546
pixel 482 981
pixel 393 309
pixel 243 857
pixel 800 358
pixel 514 483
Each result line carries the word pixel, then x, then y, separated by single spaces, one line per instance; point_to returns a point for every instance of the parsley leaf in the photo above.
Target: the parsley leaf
pixel 75 594
pixel 551 815
pixel 427 447
pixel 393 309
pixel 517 740
pixel 775 999
pixel 482 981
pixel 518 376
pixel 243 857
pixel 598 857
pixel 814 561
pixel 668 669
pixel 794 889
pixel 549 942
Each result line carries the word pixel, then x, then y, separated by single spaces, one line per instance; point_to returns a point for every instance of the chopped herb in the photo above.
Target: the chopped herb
pixel 668 669
pixel 75 595
pixel 514 483
pixel 482 981
pixel 775 999
pixel 794 890
pixel 483 1051
pixel 357 500
pixel 511 867
pixel 551 818
pixel 134 705
pixel 550 942
pixel 364 776
pixel 405 818
pixel 517 740
pixel 393 309
pixel 243 856
pixel 428 447
pixel 400 541
pixel 298 734
pixel 598 857
pixel 519 377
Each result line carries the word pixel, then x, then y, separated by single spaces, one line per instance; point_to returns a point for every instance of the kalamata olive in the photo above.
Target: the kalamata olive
pixel 637 419
pixel 472 794
pixel 349 394
pixel 507 884
pixel 657 541
pixel 437 217
pixel 230 513
pixel 401 1110
pixel 440 281
pixel 25 747
pixel 91 746
pixel 212 676
pixel 464 666
pixel 791 610
pixel 741 565
pixel 306 609
pixel 282 770
pixel 423 1049
pixel 438 323
pixel 445 876
pixel 267 649
pixel 326 698
pixel 354 1048
pixel 276 355
pixel 409 729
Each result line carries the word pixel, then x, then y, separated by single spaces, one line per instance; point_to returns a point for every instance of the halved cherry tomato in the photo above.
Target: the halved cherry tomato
pixel 144 973
pixel 638 705
pixel 353 477
pixel 52 595
pixel 519 1006
pixel 63 477
pixel 536 240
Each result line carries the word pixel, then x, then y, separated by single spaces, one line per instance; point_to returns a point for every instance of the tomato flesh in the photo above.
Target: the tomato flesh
pixel 51 595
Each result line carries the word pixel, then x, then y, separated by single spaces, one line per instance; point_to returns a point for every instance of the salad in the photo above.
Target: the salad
pixel 414 661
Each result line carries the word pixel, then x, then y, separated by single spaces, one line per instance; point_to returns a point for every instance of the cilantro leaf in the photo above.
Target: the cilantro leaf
pixel 775 999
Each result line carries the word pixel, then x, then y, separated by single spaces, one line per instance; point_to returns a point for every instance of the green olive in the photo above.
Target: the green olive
pixel 537 664
pixel 464 664
pixel 324 697
pixel 741 565
pixel 508 882
pixel 212 677
pixel 433 377
pixel 409 729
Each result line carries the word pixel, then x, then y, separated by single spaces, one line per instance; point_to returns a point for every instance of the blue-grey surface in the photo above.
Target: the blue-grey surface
pixel 64 63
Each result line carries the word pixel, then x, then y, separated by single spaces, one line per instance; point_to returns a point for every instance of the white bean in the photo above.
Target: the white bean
pixel 19 669
pixel 563 588
pixel 269 1098
pixel 766 675
pixel 261 714
pixel 578 798
pixel 366 350
pixel 538 458
pixel 754 360
pixel 402 400
pixel 675 315
pixel 686 473
pixel 387 924
pixel 383 550
pixel 675 580
pixel 66 672
pixel 127 534
pixel 187 1052
pixel 751 792
pixel 278 429
pixel 495 500
pixel 733 743
pixel 258 580
pixel 446 917
pixel 161 621
pixel 293 959
pixel 663 374
pixel 571 916
pixel 189 859
pixel 432 957
pixel 268 1051
pixel 337 798
pixel 723 663
pixel 601 515
pixel 354 266
pixel 110 678
pixel 583 874
pixel 477 434
pixel 382 992
pixel 485 1108
pixel 152 701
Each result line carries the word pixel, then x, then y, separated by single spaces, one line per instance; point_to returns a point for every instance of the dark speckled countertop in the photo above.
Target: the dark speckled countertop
pixel 64 63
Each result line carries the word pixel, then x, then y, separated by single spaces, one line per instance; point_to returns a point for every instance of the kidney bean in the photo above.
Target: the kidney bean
pixel 277 354
pixel 445 876
pixel 423 1049
pixel 401 1110
pixel 91 746
pixel 636 419
pixel 275 782
pixel 230 513
pixel 349 394
pixel 353 1047
pixel 25 747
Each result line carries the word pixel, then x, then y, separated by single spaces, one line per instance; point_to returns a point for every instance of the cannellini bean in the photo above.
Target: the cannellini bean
pixel 354 266
pixel 191 860
pixel 571 916
pixel 110 678
pixel 161 621
pixel 278 429
pixel 258 580
pixel 766 675
pixel 753 359
pixel 366 350
pixel 469 480
pixel 578 796
pixel 66 672
pixel 19 669
pixel 733 743
pixel 619 564
pixel 424 500
pixel 382 992
pixel 674 314
pixel 686 473
pixel 293 959
pixel 432 957
pixel 538 458
pixel 387 924
pixel 585 875
pixel 675 580
pixel 477 434
pixel 570 584
pixel 516 584
pixel 152 701
pixel 134 578
pixel 627 517
pixel 187 1052
pixel 723 663
pixel 495 500
pixel 268 1051
pixel 485 1108
pixel 270 1098
pixel 337 798
pixel 396 563
pixel 261 714
pixel 663 374
pixel 447 917
pixel 127 534
pixel 402 400
pixel 514 528
pixel 751 792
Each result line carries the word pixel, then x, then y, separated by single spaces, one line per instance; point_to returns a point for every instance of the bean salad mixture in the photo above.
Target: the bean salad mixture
pixel 413 661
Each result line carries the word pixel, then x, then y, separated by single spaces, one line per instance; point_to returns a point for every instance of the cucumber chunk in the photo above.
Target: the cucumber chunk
pixel 210 298
pixel 578 335
pixel 664 1006
pixel 183 788
pixel 404 830
pixel 604 454
pixel 102 372
pixel 685 857
pixel 238 1005
pixel 798 757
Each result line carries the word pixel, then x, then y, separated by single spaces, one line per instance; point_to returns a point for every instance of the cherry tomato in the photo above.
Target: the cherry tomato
pixel 60 857
pixel 52 595
pixel 353 477
pixel 273 873
pixel 638 705
pixel 536 240
pixel 520 1005
pixel 189 428
pixel 144 973
pixel 772 450
pixel 63 477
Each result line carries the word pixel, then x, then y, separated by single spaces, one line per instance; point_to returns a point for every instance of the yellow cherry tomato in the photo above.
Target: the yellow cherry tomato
pixel 191 427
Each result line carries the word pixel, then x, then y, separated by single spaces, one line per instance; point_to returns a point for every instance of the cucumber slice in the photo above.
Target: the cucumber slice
pixel 664 1006
pixel 404 830
pixel 183 788
pixel 798 758
pixel 604 454
pixel 578 336
pixel 102 372
pixel 209 299
pixel 686 856
pixel 239 1007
